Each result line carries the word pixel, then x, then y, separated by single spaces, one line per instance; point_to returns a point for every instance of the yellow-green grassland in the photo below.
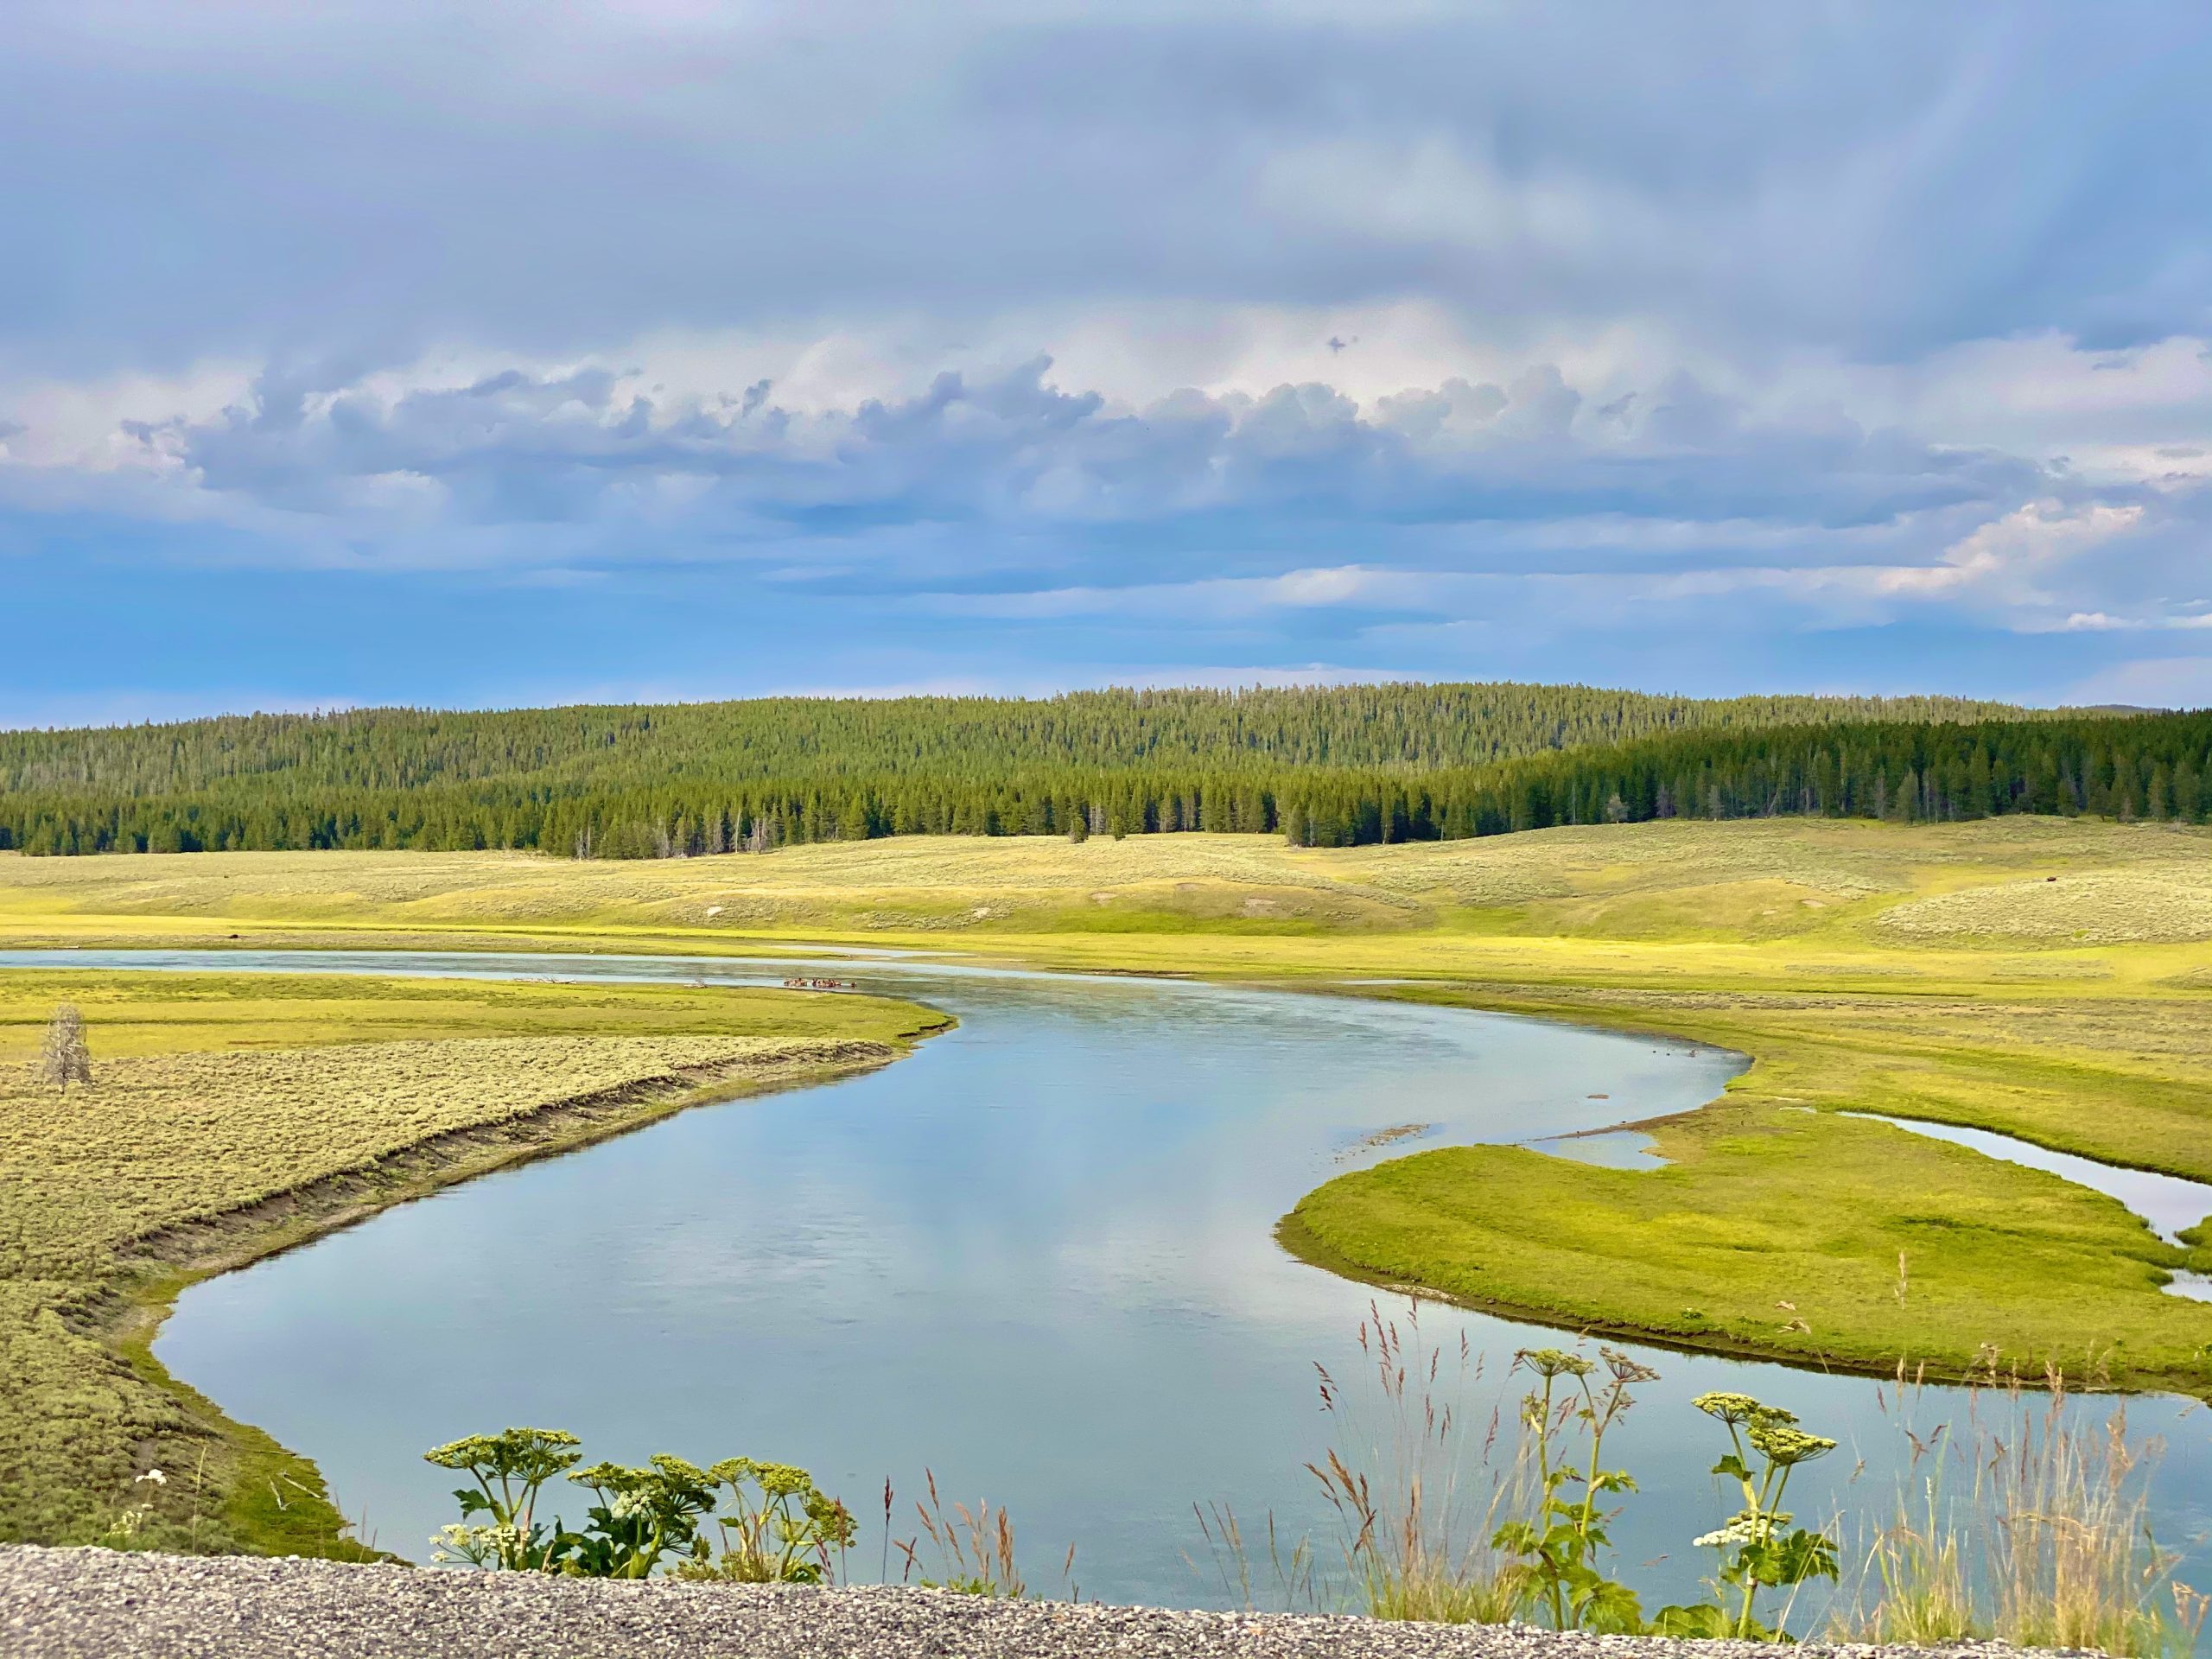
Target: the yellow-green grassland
pixel 2051 979
pixel 232 1114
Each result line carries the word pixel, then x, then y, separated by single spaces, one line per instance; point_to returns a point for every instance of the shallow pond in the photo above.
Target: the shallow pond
pixel 1035 1256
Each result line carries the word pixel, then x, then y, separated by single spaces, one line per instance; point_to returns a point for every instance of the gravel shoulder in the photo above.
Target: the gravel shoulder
pixel 91 1603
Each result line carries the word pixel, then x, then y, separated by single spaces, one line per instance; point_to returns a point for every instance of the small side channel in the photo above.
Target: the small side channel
pixel 1607 1149
pixel 2167 1204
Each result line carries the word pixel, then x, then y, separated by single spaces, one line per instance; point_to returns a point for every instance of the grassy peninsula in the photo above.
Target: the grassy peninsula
pixel 235 1115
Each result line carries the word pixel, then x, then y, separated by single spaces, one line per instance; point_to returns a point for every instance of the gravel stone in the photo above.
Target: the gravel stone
pixel 95 1604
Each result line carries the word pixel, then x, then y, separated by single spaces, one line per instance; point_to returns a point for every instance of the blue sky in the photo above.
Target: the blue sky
pixel 499 353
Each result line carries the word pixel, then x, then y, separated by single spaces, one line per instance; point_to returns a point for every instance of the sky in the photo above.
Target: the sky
pixel 499 353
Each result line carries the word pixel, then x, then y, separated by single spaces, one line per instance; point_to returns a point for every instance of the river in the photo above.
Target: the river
pixel 1035 1256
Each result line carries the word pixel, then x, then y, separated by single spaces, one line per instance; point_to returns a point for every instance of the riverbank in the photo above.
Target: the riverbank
pixel 102 1605
pixel 236 1116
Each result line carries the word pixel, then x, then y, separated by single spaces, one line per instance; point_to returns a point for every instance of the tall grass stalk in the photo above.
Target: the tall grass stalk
pixel 1232 1557
pixel 1418 1496
pixel 2045 1540
pixel 2072 1560
pixel 974 1549
pixel 1913 1587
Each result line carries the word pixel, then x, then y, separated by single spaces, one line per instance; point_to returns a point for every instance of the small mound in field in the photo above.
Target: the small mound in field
pixel 2156 906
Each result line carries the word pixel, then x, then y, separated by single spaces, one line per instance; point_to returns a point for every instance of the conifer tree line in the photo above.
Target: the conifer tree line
pixel 2145 766
pixel 2156 767
pixel 805 739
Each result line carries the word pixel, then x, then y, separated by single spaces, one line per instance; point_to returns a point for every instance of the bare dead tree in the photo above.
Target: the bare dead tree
pixel 64 1058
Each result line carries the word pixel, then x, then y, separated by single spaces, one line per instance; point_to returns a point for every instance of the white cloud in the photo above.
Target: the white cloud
pixel 86 426
pixel 2005 559
pixel 1023 492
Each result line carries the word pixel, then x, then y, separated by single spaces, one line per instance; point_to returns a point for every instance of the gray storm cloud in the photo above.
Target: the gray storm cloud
pixel 231 177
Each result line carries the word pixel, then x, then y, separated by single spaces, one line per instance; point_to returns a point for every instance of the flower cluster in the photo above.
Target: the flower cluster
pixel 1744 1528
pixel 647 1518
pixel 1760 1550
pixel 1551 1361
pixel 1731 1408
pixel 1784 1446
pixel 515 1454
pixel 490 1544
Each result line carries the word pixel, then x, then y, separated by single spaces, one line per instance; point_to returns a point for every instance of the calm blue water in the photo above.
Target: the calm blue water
pixel 1035 1256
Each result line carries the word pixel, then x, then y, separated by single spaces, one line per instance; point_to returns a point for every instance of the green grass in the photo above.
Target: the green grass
pixel 170 1014
pixel 1770 1196
pixel 1780 1232
pixel 232 1115
pixel 1819 886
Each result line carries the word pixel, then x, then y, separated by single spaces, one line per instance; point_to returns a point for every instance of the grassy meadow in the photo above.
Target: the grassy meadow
pixel 232 1114
pixel 2048 978
pixel 1895 897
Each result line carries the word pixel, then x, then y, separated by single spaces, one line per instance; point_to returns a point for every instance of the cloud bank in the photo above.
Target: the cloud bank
pixel 1015 343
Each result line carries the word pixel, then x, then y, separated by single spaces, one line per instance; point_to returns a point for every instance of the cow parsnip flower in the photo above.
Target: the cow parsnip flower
pixel 1784 1446
pixel 1730 1409
pixel 1742 1527
pixel 1552 1362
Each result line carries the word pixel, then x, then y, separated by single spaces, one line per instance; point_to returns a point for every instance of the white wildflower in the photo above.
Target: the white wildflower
pixel 1741 1530
pixel 456 1543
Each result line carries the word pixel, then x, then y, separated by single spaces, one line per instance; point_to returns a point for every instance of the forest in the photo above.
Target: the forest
pixel 621 747
pixel 1327 766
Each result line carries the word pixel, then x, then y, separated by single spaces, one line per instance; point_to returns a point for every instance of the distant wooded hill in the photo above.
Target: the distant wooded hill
pixel 1324 766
